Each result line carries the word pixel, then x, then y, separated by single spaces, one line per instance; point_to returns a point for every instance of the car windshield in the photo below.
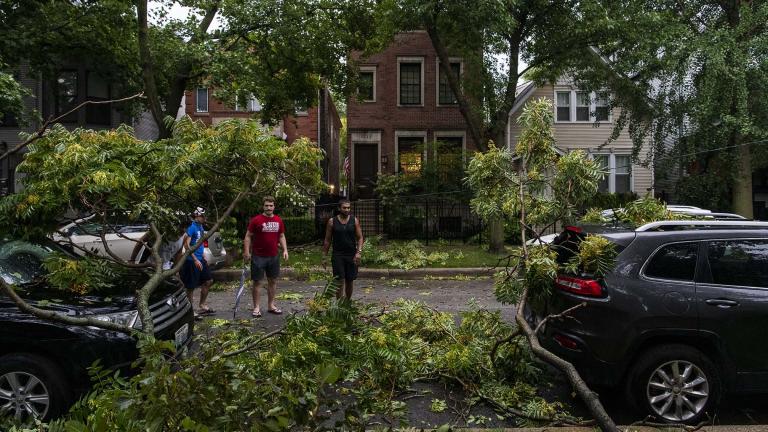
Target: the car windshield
pixel 21 262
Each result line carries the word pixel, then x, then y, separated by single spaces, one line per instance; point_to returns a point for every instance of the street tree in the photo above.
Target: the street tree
pixel 117 177
pixel 538 190
pixel 494 40
pixel 280 52
pixel 692 79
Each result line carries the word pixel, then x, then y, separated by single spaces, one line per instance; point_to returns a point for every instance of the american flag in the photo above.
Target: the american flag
pixel 347 166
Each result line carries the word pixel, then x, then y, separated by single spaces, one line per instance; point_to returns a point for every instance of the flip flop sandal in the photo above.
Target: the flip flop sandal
pixel 275 311
pixel 208 311
pixel 256 314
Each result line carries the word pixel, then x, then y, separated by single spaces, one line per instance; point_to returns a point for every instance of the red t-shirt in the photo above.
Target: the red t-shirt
pixel 266 234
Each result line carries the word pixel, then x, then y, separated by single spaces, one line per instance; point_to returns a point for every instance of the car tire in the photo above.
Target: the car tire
pixel 675 384
pixel 36 379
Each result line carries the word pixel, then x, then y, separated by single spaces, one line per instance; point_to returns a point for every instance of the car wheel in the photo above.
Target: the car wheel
pixel 31 387
pixel 675 384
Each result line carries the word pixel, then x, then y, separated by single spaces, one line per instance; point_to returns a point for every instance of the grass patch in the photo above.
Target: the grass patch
pixel 459 255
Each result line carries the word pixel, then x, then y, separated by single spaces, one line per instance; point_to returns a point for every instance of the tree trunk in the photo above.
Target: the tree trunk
pixel 147 70
pixel 741 199
pixel 496 229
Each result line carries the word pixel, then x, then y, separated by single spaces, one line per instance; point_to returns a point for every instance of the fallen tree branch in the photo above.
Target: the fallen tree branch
pixel 58 317
pixel 41 131
pixel 562 314
pixel 254 344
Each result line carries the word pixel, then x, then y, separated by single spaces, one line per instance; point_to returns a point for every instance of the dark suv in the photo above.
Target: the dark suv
pixel 43 364
pixel 679 321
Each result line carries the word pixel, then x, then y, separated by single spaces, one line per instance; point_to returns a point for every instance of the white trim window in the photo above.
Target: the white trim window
pixel 201 100
pixel 563 106
pixel 450 153
pixel 410 152
pixel 618 173
pixel 250 105
pixel 578 106
pixel 366 88
pixel 410 81
pixel 445 95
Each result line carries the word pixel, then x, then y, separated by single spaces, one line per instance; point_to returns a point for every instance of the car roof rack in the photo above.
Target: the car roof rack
pixel 703 224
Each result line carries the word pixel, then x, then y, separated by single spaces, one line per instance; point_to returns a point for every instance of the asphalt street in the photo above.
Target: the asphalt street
pixel 454 296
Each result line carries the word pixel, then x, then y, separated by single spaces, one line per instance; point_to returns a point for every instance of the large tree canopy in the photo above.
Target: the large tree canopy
pixel 693 73
pixel 275 50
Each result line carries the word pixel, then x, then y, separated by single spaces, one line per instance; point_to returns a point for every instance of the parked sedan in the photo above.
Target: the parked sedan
pixel 123 241
pixel 44 364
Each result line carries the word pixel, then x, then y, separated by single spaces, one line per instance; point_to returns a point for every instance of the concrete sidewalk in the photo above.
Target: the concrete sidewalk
pixel 750 428
pixel 232 274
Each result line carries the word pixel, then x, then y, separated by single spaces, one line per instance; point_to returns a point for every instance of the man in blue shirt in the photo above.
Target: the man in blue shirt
pixel 195 272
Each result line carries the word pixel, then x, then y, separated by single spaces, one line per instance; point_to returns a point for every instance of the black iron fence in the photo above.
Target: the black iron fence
pixel 423 218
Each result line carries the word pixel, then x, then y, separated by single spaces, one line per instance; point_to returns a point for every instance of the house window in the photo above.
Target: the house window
pixel 618 173
pixel 449 154
pixel 563 106
pixel 445 95
pixel 97 89
pixel 9 119
pixel 410 155
pixel 622 174
pixel 366 88
pixel 602 108
pixel 201 100
pixel 250 105
pixel 66 95
pixel 589 106
pixel 410 83
pixel 582 106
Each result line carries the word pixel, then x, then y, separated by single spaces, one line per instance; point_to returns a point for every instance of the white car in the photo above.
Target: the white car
pixel 122 240
pixel 680 209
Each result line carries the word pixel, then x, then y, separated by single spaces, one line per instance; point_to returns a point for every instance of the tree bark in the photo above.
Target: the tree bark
pixel 147 70
pixel 741 199
pixel 496 234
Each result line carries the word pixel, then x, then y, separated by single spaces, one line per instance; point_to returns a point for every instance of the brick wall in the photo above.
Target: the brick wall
pixel 385 116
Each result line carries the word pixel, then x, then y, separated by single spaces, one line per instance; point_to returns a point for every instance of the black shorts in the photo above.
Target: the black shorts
pixel 191 276
pixel 344 267
pixel 264 265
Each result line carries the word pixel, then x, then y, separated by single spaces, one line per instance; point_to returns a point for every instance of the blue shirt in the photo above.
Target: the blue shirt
pixel 195 233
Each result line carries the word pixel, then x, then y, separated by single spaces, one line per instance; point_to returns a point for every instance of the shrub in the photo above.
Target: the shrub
pixel 300 230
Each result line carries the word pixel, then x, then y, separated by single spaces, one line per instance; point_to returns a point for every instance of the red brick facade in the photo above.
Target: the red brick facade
pixel 384 120
pixel 307 124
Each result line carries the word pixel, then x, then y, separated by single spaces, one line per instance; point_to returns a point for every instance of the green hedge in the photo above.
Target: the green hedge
pixel 300 229
pixel 604 201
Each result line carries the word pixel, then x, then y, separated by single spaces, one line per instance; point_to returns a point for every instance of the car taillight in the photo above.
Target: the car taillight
pixel 573 229
pixel 565 341
pixel 205 243
pixel 585 287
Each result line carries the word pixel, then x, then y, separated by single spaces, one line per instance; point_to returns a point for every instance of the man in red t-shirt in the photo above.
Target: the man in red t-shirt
pixel 260 247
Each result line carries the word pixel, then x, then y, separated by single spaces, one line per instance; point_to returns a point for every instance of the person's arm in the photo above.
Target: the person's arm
pixel 187 245
pixel 284 245
pixel 327 241
pixel 360 240
pixel 247 245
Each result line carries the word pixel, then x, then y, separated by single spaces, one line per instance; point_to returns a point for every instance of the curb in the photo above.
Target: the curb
pixel 226 275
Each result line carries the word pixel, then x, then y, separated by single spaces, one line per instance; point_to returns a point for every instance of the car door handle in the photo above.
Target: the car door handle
pixel 722 303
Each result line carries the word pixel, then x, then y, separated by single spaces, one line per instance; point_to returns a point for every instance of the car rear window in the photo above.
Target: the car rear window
pixel 674 261
pixel 739 262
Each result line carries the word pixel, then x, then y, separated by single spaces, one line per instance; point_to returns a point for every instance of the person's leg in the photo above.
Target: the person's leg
pixel 271 290
pixel 337 264
pixel 189 296
pixel 348 288
pixel 206 280
pixel 257 273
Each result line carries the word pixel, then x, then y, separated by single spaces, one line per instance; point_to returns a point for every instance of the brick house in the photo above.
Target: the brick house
pixel 402 105
pixel 321 123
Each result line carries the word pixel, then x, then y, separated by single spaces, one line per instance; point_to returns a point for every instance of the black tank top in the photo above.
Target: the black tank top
pixel 344 240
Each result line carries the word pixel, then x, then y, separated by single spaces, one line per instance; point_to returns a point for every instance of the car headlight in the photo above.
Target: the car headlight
pixel 127 319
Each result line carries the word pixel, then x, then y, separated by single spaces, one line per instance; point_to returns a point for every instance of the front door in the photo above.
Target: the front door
pixel 366 169
pixel 733 303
